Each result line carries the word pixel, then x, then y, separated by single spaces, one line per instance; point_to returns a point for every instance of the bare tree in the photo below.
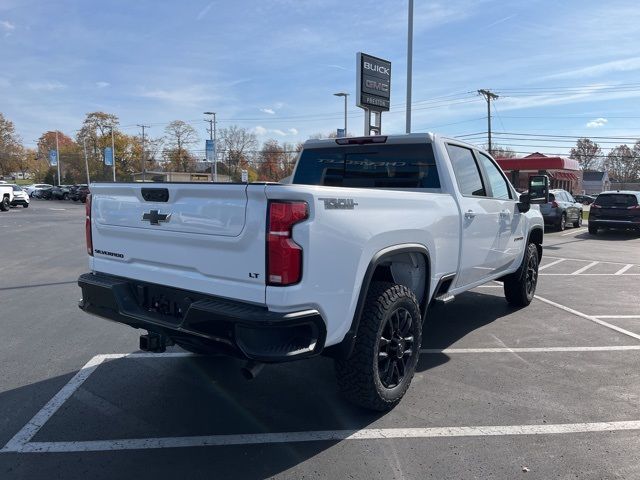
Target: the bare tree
pixel 498 151
pixel 587 153
pixel 179 136
pixel 237 143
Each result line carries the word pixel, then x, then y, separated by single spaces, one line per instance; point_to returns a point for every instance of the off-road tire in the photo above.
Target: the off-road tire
pixel 593 230
pixel 25 205
pixel 4 204
pixel 359 376
pixel 520 286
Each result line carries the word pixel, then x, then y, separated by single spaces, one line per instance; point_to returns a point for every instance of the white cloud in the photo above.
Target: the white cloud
pixel 46 86
pixel 626 65
pixel 278 105
pixel 102 84
pixel 262 131
pixel 191 95
pixel 7 26
pixel 598 122
pixel 204 11
pixel 270 111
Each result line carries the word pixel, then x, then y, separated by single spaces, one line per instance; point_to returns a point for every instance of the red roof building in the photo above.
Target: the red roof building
pixel 563 172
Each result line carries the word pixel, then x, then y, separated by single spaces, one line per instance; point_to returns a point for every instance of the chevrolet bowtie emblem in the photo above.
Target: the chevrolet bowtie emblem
pixel 154 217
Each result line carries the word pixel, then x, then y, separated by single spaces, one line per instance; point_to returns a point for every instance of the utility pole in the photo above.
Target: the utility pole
pixel 212 137
pixel 58 157
pixel 488 95
pixel 86 161
pixel 409 64
pixel 144 160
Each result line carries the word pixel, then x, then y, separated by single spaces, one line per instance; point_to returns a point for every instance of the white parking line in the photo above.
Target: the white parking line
pixel 612 348
pixel 616 316
pixel 555 262
pixel 326 436
pixel 573 231
pixel 583 260
pixel 589 317
pixel 624 269
pixel 585 268
pixel 21 443
pixel 591 274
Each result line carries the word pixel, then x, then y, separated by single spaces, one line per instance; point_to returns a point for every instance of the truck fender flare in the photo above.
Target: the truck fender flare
pixel 343 349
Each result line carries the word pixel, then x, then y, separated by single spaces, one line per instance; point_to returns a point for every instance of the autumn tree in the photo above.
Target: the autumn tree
pixel 498 151
pixel 95 135
pixel 587 153
pixel 238 145
pixel 622 163
pixel 10 146
pixel 70 156
pixel 179 136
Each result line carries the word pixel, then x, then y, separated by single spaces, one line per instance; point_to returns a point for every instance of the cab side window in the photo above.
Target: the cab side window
pixel 499 187
pixel 466 170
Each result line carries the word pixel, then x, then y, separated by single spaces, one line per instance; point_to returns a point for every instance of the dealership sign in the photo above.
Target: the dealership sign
pixel 373 89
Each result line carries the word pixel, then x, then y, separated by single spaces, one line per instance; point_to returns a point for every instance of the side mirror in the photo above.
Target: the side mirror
pixel 538 193
pixel 538 189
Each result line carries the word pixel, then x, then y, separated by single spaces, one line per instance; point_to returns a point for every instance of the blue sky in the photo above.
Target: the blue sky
pixel 561 68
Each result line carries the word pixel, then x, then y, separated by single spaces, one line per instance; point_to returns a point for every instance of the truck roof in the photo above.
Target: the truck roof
pixel 396 139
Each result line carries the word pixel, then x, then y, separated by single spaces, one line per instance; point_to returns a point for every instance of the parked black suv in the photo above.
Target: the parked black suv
pixel 61 192
pixel 74 191
pixel 620 209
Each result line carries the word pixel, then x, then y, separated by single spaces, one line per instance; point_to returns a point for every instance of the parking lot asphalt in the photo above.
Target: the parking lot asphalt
pixel 549 391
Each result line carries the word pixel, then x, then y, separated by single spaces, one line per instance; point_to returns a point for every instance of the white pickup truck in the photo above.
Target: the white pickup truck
pixel 6 196
pixel 343 261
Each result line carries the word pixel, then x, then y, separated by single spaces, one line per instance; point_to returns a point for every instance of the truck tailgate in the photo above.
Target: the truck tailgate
pixel 208 238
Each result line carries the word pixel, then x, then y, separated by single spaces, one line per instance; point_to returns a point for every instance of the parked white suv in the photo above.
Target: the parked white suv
pixel 20 197
pixel 344 261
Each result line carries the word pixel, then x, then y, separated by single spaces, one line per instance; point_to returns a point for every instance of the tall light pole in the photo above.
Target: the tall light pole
pixel 113 154
pixel 86 160
pixel 144 160
pixel 409 64
pixel 58 157
pixel 345 95
pixel 212 137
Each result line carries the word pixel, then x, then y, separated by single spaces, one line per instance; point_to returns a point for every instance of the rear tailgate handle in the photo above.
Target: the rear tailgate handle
pixel 155 194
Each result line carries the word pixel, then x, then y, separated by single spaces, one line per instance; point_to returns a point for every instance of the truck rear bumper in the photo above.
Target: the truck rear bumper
pixel 211 323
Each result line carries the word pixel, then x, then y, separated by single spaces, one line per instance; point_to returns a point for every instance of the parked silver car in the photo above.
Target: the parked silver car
pixel 561 209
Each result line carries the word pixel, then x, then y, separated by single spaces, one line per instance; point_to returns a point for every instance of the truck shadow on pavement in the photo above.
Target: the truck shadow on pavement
pixel 191 396
pixel 447 324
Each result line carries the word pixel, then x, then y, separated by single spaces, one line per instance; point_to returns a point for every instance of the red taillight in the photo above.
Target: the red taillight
pixel 284 256
pixel 87 226
pixel 554 204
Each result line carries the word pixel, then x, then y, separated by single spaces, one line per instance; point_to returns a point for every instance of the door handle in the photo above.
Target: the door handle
pixel 505 214
pixel 469 214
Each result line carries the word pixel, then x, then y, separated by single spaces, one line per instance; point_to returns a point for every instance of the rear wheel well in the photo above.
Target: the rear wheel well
pixel 408 266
